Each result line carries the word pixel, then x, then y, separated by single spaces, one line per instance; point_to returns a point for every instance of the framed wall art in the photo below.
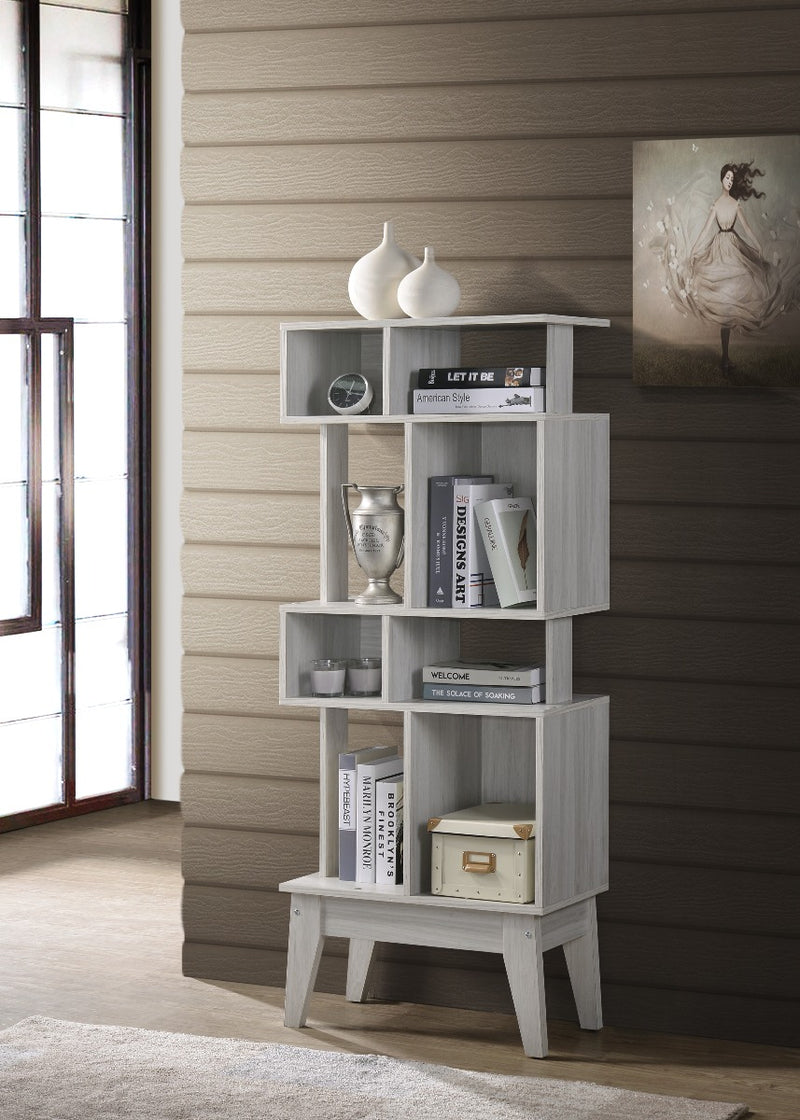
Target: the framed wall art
pixel 716 261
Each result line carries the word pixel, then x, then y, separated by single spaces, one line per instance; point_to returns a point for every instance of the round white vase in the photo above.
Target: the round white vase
pixel 372 286
pixel 428 292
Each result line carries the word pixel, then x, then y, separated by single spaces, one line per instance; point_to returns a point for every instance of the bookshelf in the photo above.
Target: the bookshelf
pixel 457 754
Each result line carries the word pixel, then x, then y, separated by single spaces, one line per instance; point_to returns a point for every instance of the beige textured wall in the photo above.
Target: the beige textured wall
pixel 501 134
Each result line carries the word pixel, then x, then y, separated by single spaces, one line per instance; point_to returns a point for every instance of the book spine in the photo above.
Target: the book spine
pixel 436 401
pixel 365 832
pixel 448 377
pixel 486 694
pixel 389 810
pixel 503 553
pixel 440 514
pixel 347 817
pixel 461 512
pixel 453 675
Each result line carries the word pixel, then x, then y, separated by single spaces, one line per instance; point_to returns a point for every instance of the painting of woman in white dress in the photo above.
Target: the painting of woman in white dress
pixel 716 261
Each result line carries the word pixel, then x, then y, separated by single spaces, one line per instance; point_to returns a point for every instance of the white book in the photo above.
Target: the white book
pixel 389 817
pixel 478 400
pixel 348 805
pixel 508 528
pixel 367 774
pixel 480 588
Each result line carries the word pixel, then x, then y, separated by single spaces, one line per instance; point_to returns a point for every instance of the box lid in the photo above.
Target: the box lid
pixel 515 819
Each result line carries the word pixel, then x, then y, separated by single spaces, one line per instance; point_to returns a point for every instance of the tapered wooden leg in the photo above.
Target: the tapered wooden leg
pixel 360 959
pixel 302 964
pixel 522 953
pixel 583 965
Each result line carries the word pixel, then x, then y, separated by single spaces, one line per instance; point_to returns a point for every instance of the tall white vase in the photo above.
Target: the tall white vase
pixel 428 291
pixel 372 286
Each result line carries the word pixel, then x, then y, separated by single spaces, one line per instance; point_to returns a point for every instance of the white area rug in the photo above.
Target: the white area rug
pixel 52 1070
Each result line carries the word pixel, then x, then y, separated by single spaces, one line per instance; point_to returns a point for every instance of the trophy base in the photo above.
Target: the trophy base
pixel 378 593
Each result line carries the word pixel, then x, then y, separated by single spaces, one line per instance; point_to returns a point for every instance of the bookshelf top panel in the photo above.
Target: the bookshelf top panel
pixel 449 321
pixel 513 614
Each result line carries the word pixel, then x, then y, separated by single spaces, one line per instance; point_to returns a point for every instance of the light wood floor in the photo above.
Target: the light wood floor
pixel 90 931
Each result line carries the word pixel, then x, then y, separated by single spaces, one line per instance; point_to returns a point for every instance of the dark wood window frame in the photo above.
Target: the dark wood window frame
pixel 137 110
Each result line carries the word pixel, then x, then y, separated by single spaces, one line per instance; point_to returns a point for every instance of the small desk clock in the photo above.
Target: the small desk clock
pixel 349 394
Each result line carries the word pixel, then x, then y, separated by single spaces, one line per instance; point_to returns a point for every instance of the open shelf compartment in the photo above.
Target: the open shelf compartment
pixel 561 464
pixel 558 762
pixel 307 637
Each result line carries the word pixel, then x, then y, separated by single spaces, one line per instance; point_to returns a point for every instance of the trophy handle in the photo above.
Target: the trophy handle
pixel 402 552
pixel 345 487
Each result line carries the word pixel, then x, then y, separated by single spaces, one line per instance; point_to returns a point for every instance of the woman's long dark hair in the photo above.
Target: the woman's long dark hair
pixel 743 175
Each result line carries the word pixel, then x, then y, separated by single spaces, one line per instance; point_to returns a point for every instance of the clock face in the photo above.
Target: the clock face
pixel 348 391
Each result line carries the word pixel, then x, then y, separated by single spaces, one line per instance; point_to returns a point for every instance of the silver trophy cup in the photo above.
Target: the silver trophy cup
pixel 376 531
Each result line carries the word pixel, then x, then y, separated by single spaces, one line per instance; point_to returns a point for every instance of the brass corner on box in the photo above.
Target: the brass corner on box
pixel 522 830
pixel 433 822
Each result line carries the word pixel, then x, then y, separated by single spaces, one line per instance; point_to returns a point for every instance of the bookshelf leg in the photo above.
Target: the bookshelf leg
pixel 360 959
pixel 302 964
pixel 583 965
pixel 522 954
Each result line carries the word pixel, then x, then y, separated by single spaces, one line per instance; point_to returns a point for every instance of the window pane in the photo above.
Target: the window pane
pixel 12 123
pixel 31 768
pixel 103 754
pixel 12 267
pixel 14 558
pixel 83 268
pixel 101 548
pixel 102 670
pixel 82 165
pixel 101 415
pixel 81 54
pixel 10 52
pixel 93 5
pixel 30 671
pixel 13 411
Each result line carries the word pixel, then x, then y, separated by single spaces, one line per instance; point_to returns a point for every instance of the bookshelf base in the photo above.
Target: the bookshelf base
pixel 521 937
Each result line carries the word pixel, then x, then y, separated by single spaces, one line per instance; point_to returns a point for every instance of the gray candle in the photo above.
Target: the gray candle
pixel 327 677
pixel 364 676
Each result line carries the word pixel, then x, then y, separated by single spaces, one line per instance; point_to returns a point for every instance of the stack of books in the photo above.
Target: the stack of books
pixel 483 682
pixel 371 816
pixel 453 389
pixel 481 543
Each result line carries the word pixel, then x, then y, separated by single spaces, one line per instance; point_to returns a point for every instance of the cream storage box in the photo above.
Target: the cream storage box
pixel 484 852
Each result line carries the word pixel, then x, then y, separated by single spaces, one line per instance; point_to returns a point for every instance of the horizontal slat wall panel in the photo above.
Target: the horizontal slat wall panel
pixel 219 401
pixel 560 228
pixel 716 534
pixel 589 112
pixel 690 712
pixel 700 776
pixel 225 801
pixel 248 860
pixel 503 50
pixel 703 591
pixel 207 15
pixel 254 572
pixel 716 899
pixel 248 518
pixel 502 136
pixel 486 287
pixel 261 747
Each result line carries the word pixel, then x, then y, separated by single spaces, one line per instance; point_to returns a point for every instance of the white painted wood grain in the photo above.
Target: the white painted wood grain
pixel 360 963
pixel 305 952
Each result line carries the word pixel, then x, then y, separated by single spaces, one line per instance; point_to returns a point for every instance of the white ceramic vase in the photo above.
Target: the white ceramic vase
pixel 372 286
pixel 428 292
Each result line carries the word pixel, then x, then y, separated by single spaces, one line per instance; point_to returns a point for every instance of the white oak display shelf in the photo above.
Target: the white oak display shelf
pixel 456 755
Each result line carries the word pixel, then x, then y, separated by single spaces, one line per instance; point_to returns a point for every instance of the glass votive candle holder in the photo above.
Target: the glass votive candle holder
pixel 327 676
pixel 364 676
